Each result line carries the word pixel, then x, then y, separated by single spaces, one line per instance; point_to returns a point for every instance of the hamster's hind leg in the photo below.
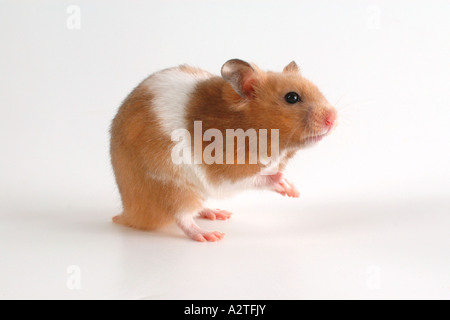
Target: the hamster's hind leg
pixel 119 220
pixel 186 222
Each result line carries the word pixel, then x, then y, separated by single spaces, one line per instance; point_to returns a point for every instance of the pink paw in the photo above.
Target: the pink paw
pixel 207 236
pixel 193 231
pixel 284 186
pixel 215 214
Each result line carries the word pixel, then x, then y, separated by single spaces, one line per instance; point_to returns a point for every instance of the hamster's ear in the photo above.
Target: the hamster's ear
pixel 240 75
pixel 291 67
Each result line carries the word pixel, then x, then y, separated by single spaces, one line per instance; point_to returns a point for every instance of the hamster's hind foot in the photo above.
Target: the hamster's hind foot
pixel 192 230
pixel 118 219
pixel 204 236
pixel 215 214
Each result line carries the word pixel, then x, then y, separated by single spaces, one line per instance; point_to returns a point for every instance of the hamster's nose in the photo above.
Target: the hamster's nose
pixel 330 119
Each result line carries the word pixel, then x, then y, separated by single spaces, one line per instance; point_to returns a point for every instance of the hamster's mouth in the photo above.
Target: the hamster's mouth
pixel 313 139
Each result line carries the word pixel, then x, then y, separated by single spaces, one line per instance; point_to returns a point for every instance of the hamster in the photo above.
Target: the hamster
pixel 156 188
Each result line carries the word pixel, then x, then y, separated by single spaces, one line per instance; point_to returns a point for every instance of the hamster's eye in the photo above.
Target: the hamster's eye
pixel 292 97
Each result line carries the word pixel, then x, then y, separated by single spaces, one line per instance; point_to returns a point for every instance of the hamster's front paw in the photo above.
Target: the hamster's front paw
pixel 283 186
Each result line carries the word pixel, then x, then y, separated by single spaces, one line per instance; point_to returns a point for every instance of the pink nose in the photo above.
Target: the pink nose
pixel 330 119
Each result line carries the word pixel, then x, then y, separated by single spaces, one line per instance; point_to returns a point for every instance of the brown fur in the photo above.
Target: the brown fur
pixel 153 190
pixel 218 106
pixel 138 148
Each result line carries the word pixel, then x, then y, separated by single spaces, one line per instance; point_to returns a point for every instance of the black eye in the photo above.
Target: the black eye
pixel 292 97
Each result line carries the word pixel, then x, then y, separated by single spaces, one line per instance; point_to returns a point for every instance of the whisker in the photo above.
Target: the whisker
pixel 340 98
pixel 291 135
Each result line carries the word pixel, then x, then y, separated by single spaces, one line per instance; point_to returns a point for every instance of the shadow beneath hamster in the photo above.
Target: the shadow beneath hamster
pixel 49 214
pixel 269 220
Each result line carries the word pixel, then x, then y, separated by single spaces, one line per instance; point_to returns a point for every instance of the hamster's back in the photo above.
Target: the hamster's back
pixel 141 146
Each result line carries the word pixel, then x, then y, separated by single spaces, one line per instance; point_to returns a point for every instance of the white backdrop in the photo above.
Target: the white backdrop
pixel 373 217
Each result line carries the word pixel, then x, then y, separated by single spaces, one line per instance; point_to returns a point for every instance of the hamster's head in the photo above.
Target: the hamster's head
pixel 281 100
